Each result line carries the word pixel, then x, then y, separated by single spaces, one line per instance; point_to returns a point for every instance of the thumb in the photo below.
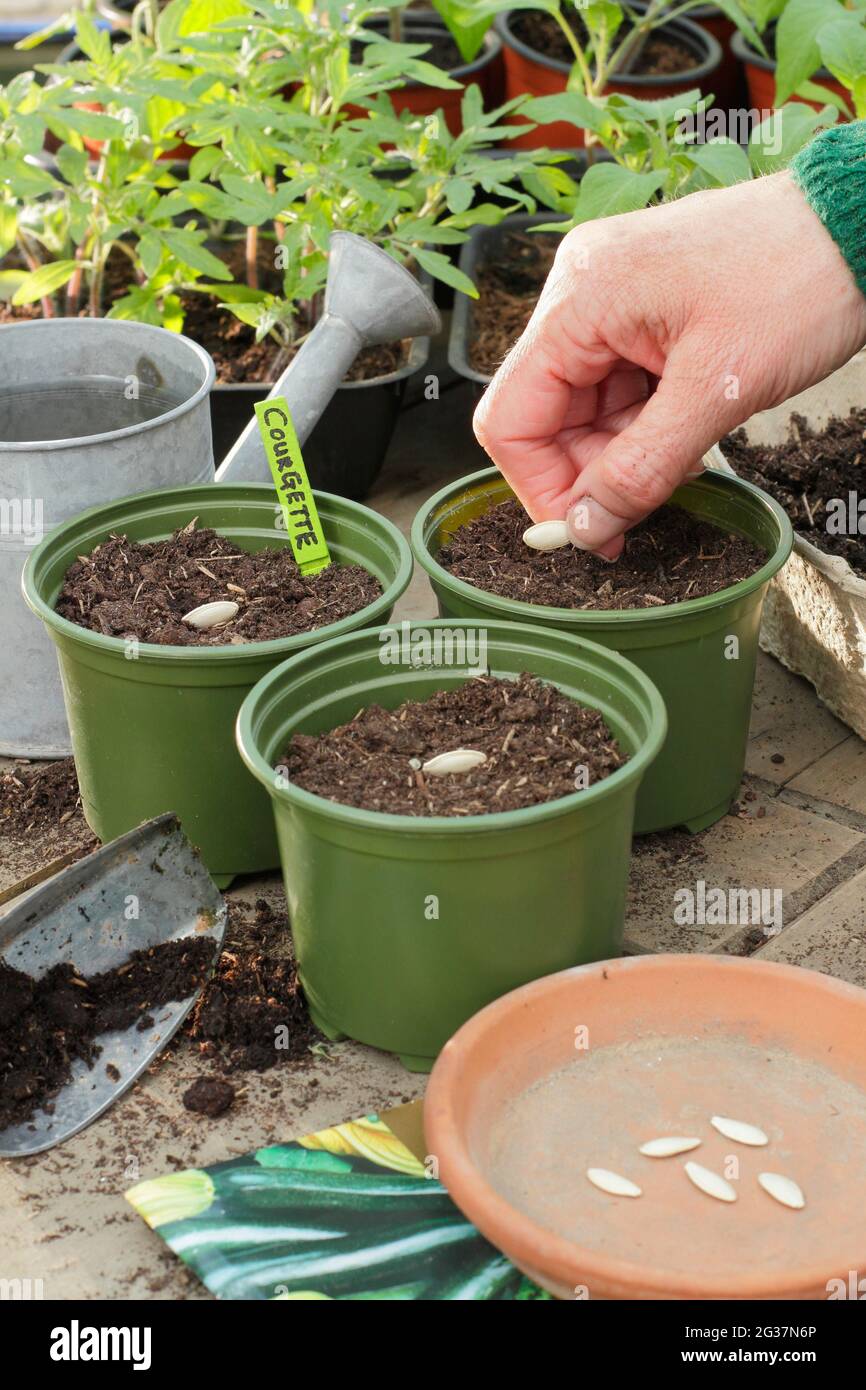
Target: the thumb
pixel 639 469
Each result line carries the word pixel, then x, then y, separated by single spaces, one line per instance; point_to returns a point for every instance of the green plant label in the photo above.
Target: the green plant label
pixel 293 486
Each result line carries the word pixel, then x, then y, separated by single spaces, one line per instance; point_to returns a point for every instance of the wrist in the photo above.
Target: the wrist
pixel 830 172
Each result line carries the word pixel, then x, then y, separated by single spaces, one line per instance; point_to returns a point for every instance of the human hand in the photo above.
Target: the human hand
pixel 656 333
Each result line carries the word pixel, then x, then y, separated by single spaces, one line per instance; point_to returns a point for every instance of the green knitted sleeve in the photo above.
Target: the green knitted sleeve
pixel 831 173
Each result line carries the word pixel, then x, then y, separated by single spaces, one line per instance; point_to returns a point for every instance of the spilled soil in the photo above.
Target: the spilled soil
pixel 252 1014
pixel 48 1023
pixel 535 740
pixel 810 475
pixel 508 289
pixel 670 557
pixel 41 819
pixel 142 589
pixel 38 796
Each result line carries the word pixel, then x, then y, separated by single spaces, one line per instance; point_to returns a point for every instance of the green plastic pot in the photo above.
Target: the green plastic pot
pixel 700 654
pixel 153 727
pixel 405 926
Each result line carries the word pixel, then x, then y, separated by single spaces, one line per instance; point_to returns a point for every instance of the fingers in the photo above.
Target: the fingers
pixel 637 470
pixel 539 394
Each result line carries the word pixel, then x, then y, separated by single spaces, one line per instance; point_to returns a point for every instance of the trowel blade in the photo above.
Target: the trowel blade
pixel 87 916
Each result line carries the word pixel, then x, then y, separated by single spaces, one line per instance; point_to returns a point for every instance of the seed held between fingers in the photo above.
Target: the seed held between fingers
pixel 546 535
pixel 668 1146
pixel 739 1131
pixel 458 760
pixel 613 1183
pixel 713 1184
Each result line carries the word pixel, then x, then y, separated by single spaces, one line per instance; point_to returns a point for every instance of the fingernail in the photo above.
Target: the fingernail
pixel 590 525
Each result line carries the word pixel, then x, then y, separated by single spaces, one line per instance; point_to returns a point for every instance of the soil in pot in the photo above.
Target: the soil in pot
pixel 253 998
pixel 232 344
pixel 133 589
pixel 660 57
pixel 810 469
pixel 534 739
pixel 670 557
pixel 508 289
pixel 47 1023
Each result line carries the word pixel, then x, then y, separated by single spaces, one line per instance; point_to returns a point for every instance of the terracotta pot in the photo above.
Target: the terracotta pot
pixel 761 78
pixel 728 81
pixel 485 71
pixel 72 54
pixel 530 73
pixel 686 1036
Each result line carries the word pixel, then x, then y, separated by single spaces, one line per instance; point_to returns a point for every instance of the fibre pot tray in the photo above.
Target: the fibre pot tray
pixel 815 612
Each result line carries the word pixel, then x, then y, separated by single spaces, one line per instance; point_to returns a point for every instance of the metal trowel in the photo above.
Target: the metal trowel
pixel 145 888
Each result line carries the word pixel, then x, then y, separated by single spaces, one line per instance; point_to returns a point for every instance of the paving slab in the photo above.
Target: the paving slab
pixel 839 777
pixel 783 850
pixel 830 937
pixel 790 728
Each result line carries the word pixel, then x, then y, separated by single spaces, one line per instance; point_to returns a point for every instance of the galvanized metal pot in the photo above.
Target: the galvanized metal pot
pixel 701 654
pixel 90 410
pixel 404 926
pixel 153 727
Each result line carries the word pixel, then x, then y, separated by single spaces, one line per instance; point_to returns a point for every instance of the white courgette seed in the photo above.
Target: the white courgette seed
pixel 209 615
pixel 739 1131
pixel 667 1147
pixel 785 1190
pixel 613 1183
pixel 546 535
pixel 711 1183
pixel 458 760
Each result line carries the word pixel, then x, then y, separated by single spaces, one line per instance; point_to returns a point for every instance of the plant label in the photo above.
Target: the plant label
pixel 283 452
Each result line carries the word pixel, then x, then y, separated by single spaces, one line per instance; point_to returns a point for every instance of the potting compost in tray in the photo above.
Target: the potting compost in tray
pixel 48 1022
pixel 811 469
pixel 533 738
pixel 508 290
pixel 670 557
pixel 143 589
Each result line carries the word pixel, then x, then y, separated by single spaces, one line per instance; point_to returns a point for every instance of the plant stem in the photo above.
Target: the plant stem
pixel 73 289
pixel 252 257
pixel 32 262
pixel 395 24
pixel 99 256
pixel 279 227
pixel 580 57
pixel 637 35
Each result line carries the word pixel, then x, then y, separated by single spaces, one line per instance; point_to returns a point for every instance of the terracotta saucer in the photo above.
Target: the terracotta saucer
pixel 579 1069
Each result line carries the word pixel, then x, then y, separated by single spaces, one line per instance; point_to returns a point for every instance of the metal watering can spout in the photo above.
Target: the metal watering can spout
pixel 369 298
